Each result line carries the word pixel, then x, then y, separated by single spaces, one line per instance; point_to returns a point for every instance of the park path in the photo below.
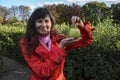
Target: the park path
pixel 12 70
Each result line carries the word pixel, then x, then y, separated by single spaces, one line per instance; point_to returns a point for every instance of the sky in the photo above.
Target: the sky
pixel 39 3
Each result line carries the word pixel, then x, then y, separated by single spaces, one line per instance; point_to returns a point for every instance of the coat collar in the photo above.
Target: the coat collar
pixel 57 38
pixel 41 50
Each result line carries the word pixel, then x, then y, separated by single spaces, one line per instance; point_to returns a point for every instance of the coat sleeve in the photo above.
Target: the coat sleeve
pixel 86 38
pixel 37 66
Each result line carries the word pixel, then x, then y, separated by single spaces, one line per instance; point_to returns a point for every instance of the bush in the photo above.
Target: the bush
pixel 18 24
pixel 9 41
pixel 99 61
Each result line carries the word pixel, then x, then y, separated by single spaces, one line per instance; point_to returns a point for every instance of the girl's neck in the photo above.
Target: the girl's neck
pixel 44 38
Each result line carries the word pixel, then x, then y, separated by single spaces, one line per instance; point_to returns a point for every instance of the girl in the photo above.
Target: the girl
pixel 44 47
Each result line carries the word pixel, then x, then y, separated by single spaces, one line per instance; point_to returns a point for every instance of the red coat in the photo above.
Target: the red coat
pixel 48 69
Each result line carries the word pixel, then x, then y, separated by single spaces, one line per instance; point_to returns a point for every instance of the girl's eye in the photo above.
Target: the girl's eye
pixel 40 21
pixel 46 21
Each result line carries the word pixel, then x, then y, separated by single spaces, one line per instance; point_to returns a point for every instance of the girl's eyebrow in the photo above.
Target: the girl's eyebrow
pixel 39 20
pixel 46 18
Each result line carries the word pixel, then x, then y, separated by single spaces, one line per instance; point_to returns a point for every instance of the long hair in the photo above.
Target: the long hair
pixel 31 35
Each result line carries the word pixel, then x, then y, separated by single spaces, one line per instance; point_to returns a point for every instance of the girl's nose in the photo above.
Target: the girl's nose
pixel 43 23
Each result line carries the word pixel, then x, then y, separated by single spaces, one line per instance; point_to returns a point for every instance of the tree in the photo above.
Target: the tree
pixel 116 12
pixel 4 13
pixel 63 13
pixel 14 11
pixel 73 10
pixel 95 11
pixel 52 9
pixel 61 10
pixel 1 19
pixel 24 12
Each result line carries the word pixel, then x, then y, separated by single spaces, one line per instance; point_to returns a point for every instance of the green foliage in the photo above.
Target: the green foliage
pixel 64 28
pixel 18 24
pixel 116 12
pixel 94 10
pixel 9 41
pixel 1 19
pixel 118 45
pixel 63 13
pixel 99 61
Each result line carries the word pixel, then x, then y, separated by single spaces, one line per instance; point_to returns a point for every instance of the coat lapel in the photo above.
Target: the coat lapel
pixel 40 50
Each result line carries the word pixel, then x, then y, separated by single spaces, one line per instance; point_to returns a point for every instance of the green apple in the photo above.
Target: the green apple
pixel 74 32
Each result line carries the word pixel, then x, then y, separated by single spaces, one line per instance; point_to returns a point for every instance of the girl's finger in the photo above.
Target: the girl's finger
pixel 73 19
pixel 67 39
pixel 77 19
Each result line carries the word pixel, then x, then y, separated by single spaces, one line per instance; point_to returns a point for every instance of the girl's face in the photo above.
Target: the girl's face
pixel 43 25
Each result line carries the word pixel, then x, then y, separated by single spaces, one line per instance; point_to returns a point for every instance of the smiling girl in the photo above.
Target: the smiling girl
pixel 44 48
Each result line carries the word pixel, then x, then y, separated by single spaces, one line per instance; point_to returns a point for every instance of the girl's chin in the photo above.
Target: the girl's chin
pixel 43 34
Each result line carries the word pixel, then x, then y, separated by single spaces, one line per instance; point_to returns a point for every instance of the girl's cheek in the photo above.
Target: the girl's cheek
pixel 48 27
pixel 38 24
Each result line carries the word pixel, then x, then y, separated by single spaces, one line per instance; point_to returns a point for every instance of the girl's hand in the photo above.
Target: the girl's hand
pixel 77 21
pixel 67 41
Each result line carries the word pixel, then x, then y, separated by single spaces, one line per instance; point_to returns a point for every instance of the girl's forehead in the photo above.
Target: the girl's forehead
pixel 46 17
